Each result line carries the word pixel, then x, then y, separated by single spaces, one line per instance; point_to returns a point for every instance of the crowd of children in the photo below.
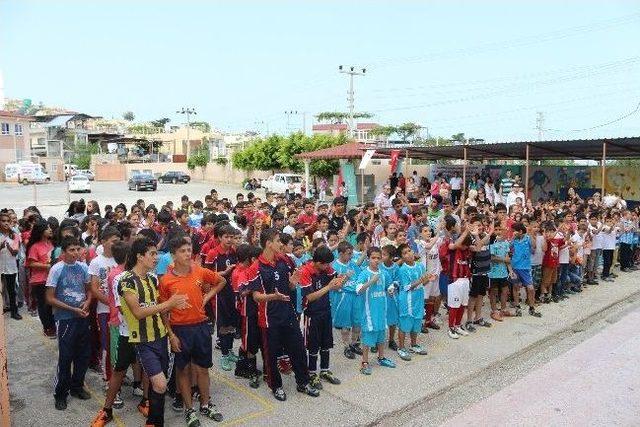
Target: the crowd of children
pixel 155 290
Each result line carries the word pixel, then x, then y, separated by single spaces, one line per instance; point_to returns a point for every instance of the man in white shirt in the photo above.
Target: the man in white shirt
pixel 514 194
pixel 383 201
pixel 456 188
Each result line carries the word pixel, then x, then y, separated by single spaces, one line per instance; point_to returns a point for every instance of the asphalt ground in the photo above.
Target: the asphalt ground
pixel 429 390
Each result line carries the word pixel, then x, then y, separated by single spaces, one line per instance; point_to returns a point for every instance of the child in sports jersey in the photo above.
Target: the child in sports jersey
pixel 428 244
pixel 317 279
pixel 389 270
pixel 346 313
pixel 480 265
pixel 499 273
pixel 458 290
pixel 412 278
pixel 373 286
pixel 360 251
pixel 522 247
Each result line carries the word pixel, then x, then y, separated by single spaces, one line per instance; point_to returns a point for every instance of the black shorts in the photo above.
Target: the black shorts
pixel 250 334
pixel 125 354
pixel 479 285
pixel 318 333
pixel 154 356
pixel 499 283
pixel 195 345
pixel 227 315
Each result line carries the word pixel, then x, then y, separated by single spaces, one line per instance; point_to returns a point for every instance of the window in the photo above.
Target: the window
pixel 17 128
pixel 5 128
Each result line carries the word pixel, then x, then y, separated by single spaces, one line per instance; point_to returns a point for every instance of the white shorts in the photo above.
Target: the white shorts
pixel 432 288
pixel 458 293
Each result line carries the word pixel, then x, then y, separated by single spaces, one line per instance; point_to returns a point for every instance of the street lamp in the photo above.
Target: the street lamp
pixel 188 112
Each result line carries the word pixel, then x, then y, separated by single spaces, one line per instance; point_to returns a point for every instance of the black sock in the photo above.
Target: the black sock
pixel 109 411
pixel 313 363
pixel 156 407
pixel 324 360
pixel 226 344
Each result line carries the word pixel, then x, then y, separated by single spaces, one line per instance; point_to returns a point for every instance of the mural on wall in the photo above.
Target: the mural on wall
pixel 623 181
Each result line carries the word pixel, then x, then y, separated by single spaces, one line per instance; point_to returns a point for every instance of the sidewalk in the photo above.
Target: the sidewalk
pixel 358 400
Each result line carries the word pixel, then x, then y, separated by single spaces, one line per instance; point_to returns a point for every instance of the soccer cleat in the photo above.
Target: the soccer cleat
pixel 387 363
pixel 279 394
pixel 143 407
pixel 357 349
pixel 191 419
pixel 453 334
pixel 461 331
pixel 210 411
pixel 392 345
pixel 118 403
pixel 178 404
pixel 404 354
pixel 81 394
pixel 61 403
pixel 348 352
pixel 308 390
pixel 534 313
pixel 329 377
pixel 226 364
pixel 418 349
pixel 102 419
pixel 314 381
pixel 365 369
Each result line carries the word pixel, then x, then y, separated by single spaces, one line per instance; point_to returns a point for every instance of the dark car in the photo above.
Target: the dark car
pixel 142 182
pixel 174 177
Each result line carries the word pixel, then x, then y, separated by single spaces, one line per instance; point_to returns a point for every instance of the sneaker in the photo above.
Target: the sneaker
pixel 357 349
pixel 469 327
pixel 329 377
pixel 254 382
pixel 15 315
pixel 191 419
pixel 393 346
pixel 495 315
pixel 118 403
pixel 33 313
pixel 102 419
pixel 61 403
pixel 365 369
pixel 433 325
pixel 210 411
pixel 81 394
pixel 577 289
pixel 424 329
pixel 241 372
pixel 387 363
pixel 453 334
pixel 314 381
pixel 137 391
pixel 308 390
pixel 143 407
pixel 279 394
pixel 461 331
pixel 226 364
pixel 404 354
pixel 418 349
pixel 234 357
pixel 348 352
pixel 534 313
pixel 217 346
pixel 518 312
pixel 555 299
pixel 483 323
pixel 178 404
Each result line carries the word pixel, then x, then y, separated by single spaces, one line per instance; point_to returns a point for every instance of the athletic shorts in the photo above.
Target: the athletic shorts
pixel 318 332
pixel 348 310
pixel 458 293
pixel 410 325
pixel 195 345
pixel 523 277
pixel 250 334
pixel 153 356
pixel 373 338
pixel 392 310
pixel 479 285
pixel 227 315
pixel 498 283
pixel 549 275
pixel 432 289
pixel 124 354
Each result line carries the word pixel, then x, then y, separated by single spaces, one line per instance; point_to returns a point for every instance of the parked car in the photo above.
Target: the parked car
pixel 26 173
pixel 283 183
pixel 142 182
pixel 87 173
pixel 79 184
pixel 174 177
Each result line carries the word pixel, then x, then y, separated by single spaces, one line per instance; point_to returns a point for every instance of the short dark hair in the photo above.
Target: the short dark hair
pixel 176 243
pixel 138 247
pixel 268 235
pixel 246 252
pixel 344 247
pixel 69 241
pixel 109 232
pixel 373 250
pixel 120 250
pixel 323 255
pixel 390 249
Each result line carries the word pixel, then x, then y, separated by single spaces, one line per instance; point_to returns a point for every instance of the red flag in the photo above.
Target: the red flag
pixel 394 160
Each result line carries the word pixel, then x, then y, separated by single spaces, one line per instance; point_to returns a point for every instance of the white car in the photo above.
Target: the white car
pixel 283 182
pixel 79 184
pixel 87 173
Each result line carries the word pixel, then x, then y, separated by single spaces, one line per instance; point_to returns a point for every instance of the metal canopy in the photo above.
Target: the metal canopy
pixel 581 149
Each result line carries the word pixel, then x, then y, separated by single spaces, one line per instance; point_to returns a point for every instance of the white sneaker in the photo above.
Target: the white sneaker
pixel 453 334
pixel 461 331
pixel 137 391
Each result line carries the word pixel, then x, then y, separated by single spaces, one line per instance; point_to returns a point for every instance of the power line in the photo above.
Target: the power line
pixel 629 114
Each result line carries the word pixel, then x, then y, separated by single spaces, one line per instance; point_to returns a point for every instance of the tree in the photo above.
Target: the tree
pixel 199 158
pixel 82 154
pixel 129 116
pixel 408 130
pixel 336 117
pixel 458 138
pixel 160 122
pixel 203 126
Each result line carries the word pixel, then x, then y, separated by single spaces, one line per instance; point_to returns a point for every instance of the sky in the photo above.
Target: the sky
pixel 485 68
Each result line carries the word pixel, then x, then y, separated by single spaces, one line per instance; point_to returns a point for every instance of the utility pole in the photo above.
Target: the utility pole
pixel 540 125
pixel 351 71
pixel 289 113
pixel 188 112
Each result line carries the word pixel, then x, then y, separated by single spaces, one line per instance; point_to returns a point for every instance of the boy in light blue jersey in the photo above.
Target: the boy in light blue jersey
pixel 360 251
pixel 390 270
pixel 523 246
pixel 373 287
pixel 412 277
pixel 346 311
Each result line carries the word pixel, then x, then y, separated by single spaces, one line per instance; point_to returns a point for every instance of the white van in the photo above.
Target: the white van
pixel 25 173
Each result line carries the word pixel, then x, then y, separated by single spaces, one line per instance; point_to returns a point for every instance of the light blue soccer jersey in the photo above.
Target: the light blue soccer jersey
pixel 411 302
pixel 374 301
pixel 356 257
